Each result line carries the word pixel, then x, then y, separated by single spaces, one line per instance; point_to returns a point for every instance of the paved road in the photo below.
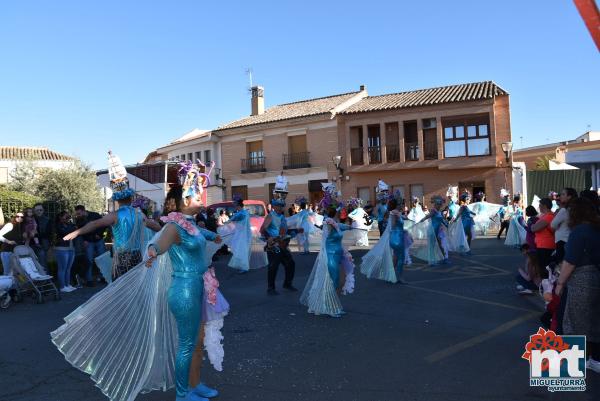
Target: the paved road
pixel 454 333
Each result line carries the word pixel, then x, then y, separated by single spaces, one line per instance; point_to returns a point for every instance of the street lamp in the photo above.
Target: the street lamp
pixel 507 149
pixel 337 161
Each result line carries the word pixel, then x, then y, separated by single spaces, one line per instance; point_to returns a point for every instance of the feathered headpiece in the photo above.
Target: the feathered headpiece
pixel 330 197
pixel 452 192
pixel 438 200
pixel 300 200
pixel 355 202
pixel 382 190
pixel 192 179
pixel 280 191
pixel 118 178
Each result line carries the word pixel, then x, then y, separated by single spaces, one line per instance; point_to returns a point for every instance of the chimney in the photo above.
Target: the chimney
pixel 258 100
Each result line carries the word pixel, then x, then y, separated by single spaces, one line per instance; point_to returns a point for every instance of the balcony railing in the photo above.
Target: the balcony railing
pixel 356 156
pixel 412 151
pixel 253 165
pixel 392 153
pixel 431 150
pixel 296 160
pixel 374 155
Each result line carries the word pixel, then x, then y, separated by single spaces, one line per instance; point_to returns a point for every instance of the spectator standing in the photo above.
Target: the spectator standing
pixel 64 251
pixel 580 274
pixel 11 235
pixel 44 234
pixel 544 236
pixel 93 242
pixel 560 223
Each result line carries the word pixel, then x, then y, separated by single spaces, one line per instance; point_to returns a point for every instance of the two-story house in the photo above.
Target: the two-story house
pixel 419 142
pixel 299 138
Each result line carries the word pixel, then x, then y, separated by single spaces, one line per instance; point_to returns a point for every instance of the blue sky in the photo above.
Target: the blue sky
pixel 83 77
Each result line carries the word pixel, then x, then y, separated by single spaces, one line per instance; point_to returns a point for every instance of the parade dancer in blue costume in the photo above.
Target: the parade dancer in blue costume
pixel 438 235
pixel 466 216
pixel 128 224
pixel 395 206
pixel 324 283
pixel 385 261
pixel 275 231
pixel 145 325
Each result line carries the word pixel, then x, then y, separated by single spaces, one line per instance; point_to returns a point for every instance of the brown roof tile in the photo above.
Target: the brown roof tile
pixel 304 108
pixel 24 153
pixel 428 97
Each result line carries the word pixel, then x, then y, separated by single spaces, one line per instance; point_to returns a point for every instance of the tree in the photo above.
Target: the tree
pixel 70 186
pixel 543 162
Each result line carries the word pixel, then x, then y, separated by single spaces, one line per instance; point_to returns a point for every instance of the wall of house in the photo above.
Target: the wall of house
pixel 434 175
pixel 321 144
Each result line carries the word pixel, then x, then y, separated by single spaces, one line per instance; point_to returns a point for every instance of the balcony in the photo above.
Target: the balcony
pixel 431 150
pixel 392 153
pixel 412 151
pixel 356 156
pixel 374 155
pixel 296 160
pixel 253 165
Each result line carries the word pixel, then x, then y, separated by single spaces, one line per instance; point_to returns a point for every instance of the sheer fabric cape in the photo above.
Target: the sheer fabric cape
pixel 457 240
pixel 378 263
pixel 319 294
pixel 125 337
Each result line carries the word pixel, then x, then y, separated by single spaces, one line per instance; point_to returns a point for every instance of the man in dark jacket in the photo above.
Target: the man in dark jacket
pixel 93 242
pixel 44 233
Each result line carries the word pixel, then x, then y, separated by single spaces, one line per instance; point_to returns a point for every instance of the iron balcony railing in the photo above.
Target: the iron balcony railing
pixel 253 165
pixel 296 160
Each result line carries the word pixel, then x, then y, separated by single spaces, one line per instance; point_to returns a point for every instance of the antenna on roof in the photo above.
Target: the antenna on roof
pixel 249 73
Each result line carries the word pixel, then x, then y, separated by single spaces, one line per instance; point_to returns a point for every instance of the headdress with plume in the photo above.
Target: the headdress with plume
pixel 280 191
pixel 118 178
pixel 192 179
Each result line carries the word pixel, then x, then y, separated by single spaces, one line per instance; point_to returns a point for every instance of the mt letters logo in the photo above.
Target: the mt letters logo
pixel 556 362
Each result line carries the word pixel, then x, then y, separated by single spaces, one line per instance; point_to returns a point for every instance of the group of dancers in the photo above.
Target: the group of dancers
pixel 148 329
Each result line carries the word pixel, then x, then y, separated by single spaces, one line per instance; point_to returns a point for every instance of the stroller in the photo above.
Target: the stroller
pixel 7 291
pixel 30 275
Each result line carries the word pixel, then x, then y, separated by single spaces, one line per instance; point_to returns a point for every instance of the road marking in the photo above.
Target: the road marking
pixel 482 301
pixel 465 277
pixel 456 348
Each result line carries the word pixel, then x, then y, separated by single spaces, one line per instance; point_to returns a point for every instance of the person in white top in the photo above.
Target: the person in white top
pixel 560 223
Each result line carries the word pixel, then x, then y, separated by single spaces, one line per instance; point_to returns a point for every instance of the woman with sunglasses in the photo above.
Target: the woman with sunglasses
pixel 11 235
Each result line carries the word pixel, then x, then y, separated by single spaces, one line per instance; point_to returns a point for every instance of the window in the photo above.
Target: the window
pixel 198 154
pixel 207 158
pixel 416 191
pixel 364 193
pixel 467 136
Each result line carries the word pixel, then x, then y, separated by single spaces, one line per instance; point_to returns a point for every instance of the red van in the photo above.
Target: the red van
pixel 256 209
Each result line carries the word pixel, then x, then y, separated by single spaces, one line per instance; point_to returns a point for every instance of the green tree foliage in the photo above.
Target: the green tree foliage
pixel 542 163
pixel 70 186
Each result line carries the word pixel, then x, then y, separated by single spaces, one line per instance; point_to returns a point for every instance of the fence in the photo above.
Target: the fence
pixel 541 182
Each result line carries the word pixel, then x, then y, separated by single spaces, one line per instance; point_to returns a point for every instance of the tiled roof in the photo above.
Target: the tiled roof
pixel 428 97
pixel 288 111
pixel 30 153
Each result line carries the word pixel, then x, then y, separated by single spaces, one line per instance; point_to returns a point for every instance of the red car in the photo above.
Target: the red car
pixel 256 209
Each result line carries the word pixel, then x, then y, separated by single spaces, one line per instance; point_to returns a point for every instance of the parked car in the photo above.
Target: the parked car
pixel 256 208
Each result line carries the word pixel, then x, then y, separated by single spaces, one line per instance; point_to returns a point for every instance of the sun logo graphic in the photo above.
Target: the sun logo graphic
pixel 556 362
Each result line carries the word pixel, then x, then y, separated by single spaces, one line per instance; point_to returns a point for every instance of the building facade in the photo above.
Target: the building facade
pixel 420 142
pixel 298 138
pixel 197 145
pixel 11 156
